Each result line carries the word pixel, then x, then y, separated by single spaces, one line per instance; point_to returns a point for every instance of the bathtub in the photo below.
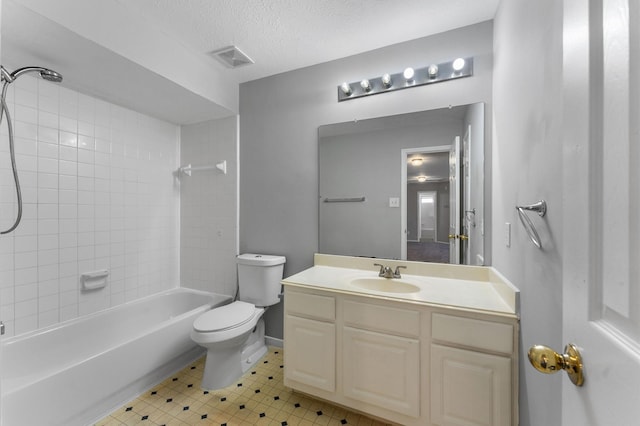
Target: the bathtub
pixel 77 372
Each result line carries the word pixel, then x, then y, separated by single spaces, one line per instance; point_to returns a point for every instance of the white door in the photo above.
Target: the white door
pixel 601 189
pixel 454 202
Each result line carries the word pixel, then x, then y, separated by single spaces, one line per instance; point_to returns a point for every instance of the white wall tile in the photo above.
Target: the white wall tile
pixel 48 134
pixel 96 196
pixel 68 139
pixel 49 104
pixel 26 292
pixel 26 114
pixel 208 227
pixel 27 97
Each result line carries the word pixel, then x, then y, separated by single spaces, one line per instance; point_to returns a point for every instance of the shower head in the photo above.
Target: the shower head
pixel 45 73
pixel 51 75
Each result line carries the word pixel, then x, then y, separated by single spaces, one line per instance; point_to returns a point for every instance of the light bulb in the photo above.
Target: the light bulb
pixel 422 178
pixel 432 71
pixel 408 74
pixel 346 89
pixel 386 81
pixel 458 64
pixel 416 162
pixel 366 85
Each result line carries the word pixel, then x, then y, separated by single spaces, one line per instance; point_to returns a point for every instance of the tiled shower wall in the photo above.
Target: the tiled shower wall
pixel 99 193
pixel 209 205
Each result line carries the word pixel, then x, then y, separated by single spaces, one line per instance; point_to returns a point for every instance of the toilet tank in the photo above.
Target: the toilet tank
pixel 259 277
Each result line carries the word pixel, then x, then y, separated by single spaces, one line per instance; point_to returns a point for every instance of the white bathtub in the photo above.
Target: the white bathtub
pixel 78 371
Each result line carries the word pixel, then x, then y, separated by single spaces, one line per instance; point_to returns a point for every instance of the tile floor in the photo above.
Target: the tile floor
pixel 257 398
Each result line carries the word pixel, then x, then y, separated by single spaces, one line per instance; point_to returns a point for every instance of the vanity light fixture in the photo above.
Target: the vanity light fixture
pixel 458 65
pixel 386 81
pixel 432 71
pixel 413 77
pixel 416 162
pixel 408 75
pixel 422 179
pixel 346 89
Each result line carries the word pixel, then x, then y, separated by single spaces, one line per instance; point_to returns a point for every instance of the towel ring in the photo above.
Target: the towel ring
pixel 541 208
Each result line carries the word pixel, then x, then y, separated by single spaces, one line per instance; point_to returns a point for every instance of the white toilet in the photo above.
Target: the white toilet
pixel 234 334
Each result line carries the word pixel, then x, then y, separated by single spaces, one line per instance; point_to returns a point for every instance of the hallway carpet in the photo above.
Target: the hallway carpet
pixel 431 251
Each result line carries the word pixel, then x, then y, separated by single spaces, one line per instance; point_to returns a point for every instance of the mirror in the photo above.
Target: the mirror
pixel 408 186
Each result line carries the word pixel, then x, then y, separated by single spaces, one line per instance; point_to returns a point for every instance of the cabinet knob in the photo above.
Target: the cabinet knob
pixel 548 361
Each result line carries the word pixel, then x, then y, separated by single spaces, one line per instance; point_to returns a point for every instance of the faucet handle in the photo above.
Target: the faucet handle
pixel 396 274
pixel 382 268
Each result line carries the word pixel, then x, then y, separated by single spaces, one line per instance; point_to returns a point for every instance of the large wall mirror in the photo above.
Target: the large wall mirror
pixel 408 186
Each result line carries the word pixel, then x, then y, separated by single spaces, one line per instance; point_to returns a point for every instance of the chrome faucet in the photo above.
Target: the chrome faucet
pixel 387 272
pixel 396 273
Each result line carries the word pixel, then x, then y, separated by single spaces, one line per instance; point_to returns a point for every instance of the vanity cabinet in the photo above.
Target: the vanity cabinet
pixel 381 356
pixel 471 371
pixel 407 363
pixel 310 327
pixel 362 354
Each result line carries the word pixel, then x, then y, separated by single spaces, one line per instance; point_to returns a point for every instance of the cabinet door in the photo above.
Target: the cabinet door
pixel 382 370
pixel 469 388
pixel 310 352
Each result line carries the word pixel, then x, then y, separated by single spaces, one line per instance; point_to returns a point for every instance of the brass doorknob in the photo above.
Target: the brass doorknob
pixel 463 237
pixel 452 236
pixel 548 361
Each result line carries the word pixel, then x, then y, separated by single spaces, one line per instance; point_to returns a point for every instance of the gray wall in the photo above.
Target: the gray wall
pixel 527 166
pixel 279 118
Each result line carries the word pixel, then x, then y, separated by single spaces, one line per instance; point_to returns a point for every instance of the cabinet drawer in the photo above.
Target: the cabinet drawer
pixel 382 318
pixel 310 305
pixel 491 336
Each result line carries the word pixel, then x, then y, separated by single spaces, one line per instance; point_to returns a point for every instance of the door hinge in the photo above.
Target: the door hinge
pixel 1 328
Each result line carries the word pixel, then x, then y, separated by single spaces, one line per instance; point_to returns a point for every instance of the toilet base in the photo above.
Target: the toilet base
pixel 255 348
pixel 224 366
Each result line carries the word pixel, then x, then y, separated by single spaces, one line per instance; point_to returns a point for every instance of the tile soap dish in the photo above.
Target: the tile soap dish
pixel 94 280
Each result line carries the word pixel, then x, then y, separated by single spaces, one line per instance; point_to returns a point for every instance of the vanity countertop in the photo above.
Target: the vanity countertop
pixel 470 287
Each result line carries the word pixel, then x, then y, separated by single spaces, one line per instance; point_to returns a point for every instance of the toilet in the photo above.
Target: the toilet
pixel 234 334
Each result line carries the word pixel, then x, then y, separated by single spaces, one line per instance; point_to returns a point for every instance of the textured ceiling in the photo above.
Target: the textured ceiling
pixel 282 35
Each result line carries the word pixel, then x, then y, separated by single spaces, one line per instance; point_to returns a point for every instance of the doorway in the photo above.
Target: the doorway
pixel 424 204
pixel 427 216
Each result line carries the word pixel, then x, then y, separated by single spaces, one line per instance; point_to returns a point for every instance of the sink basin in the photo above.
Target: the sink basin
pixel 386 285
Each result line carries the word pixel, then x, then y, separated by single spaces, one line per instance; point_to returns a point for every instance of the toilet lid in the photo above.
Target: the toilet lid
pixel 225 317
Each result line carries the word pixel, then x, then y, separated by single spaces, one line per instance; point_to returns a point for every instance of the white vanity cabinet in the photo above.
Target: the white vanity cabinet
pixel 310 337
pixel 445 355
pixel 407 363
pixel 472 366
pixel 381 356
pixel 360 353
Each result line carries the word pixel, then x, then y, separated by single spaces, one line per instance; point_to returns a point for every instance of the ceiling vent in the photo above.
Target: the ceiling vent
pixel 232 57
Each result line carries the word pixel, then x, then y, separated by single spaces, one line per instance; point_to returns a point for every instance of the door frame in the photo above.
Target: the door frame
pixel 404 155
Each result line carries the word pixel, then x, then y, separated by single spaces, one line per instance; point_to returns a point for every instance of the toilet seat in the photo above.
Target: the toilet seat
pixel 225 317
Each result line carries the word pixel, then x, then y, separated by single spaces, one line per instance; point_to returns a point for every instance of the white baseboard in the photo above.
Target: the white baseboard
pixel 272 341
